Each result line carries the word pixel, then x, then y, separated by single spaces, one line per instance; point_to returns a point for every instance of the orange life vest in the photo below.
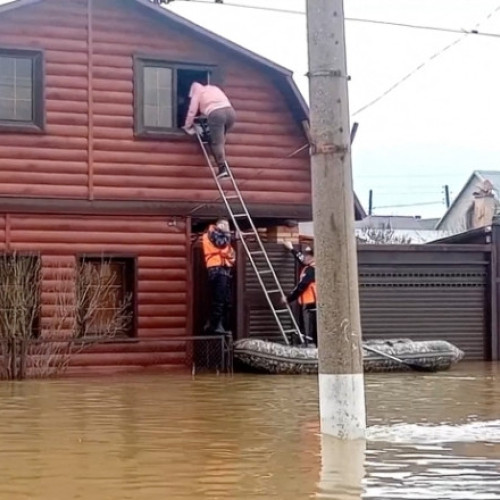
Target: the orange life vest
pixel 217 257
pixel 309 294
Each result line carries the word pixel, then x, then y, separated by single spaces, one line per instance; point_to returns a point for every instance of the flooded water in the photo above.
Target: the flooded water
pixel 248 437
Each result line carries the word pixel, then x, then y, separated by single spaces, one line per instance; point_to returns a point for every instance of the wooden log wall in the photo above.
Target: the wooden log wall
pixel 89 150
pixel 52 164
pixel 160 247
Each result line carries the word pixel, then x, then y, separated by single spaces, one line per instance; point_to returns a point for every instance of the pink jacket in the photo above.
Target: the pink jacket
pixel 205 98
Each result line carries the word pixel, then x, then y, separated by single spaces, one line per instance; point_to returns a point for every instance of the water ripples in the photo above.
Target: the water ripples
pixel 248 438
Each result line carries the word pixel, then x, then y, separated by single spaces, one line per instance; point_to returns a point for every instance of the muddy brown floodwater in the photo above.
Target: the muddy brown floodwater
pixel 248 437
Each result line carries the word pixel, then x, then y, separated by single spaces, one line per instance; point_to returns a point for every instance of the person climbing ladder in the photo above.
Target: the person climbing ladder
pixel 216 109
pixel 211 102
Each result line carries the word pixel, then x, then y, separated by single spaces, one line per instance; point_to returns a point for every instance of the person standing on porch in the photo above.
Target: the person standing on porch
pixel 211 102
pixel 220 259
pixel 305 291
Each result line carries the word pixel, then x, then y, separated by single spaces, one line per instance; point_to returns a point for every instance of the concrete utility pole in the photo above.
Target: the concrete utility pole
pixel 341 384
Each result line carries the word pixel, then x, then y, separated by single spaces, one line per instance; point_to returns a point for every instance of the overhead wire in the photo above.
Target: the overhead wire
pixel 252 7
pixel 412 204
pixel 441 29
pixel 395 85
pixel 440 52
pixel 464 34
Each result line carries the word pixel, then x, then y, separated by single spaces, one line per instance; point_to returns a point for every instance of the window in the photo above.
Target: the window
pixel 21 90
pixel 105 291
pixel 161 94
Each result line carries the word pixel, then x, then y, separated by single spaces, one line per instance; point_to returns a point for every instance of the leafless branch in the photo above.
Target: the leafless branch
pixel 84 305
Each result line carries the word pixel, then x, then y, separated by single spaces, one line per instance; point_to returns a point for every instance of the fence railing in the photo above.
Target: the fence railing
pixel 43 357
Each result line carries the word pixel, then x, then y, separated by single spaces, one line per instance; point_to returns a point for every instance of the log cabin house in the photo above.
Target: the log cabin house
pixel 93 162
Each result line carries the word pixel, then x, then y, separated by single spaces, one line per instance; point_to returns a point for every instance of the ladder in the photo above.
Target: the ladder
pixel 252 244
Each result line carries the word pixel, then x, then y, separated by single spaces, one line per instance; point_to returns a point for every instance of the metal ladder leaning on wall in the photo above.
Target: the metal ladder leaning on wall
pixel 252 244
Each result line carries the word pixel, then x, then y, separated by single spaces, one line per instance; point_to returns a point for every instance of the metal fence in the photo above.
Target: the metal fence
pixel 42 357
pixel 210 354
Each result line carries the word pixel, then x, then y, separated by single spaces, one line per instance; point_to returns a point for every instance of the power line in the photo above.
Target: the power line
pixel 382 176
pixel 424 27
pixel 394 86
pixel 423 64
pixel 252 7
pixel 464 33
pixel 405 193
pixel 411 205
pixel 440 29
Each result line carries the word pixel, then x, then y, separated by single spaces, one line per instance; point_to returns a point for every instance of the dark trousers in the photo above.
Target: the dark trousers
pixel 220 122
pixel 219 281
pixel 310 324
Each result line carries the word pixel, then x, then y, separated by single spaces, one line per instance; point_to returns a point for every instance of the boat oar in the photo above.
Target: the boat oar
pixel 414 366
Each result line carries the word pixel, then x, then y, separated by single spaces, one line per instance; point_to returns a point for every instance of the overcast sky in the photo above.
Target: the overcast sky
pixel 432 130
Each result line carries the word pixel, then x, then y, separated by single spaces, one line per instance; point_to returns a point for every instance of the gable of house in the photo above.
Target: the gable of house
pixel 471 207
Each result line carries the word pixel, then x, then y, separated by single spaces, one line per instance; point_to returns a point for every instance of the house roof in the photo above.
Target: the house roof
pixel 491 175
pixel 16 4
pixel 480 175
pixel 395 222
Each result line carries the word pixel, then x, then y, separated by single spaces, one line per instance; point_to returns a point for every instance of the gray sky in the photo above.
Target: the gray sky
pixel 432 130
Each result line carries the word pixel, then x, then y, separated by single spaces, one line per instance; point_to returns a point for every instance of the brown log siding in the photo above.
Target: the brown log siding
pixel 114 165
pixel 159 246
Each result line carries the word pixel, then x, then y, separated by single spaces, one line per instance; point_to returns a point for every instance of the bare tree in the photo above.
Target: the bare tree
pixel 385 236
pixel 101 310
pixel 87 306
pixel 19 310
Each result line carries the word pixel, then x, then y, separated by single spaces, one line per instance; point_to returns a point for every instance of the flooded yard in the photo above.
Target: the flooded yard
pixel 169 436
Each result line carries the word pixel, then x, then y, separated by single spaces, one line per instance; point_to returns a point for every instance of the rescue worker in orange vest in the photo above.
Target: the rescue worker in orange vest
pixel 220 259
pixel 305 291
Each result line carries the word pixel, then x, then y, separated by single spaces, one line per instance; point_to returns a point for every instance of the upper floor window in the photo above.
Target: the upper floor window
pixel 21 90
pixel 161 94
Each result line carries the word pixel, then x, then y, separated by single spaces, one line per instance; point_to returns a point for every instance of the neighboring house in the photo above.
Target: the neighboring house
pixel 475 205
pixel 93 161
pixel 390 229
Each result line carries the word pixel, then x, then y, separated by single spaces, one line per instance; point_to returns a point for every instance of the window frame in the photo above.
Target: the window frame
pixel 127 259
pixel 140 62
pixel 37 124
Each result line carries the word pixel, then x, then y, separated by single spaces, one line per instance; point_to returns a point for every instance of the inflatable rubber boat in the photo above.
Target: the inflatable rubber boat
pixel 378 356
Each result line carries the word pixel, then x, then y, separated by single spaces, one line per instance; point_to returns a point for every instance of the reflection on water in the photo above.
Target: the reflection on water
pixel 248 437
